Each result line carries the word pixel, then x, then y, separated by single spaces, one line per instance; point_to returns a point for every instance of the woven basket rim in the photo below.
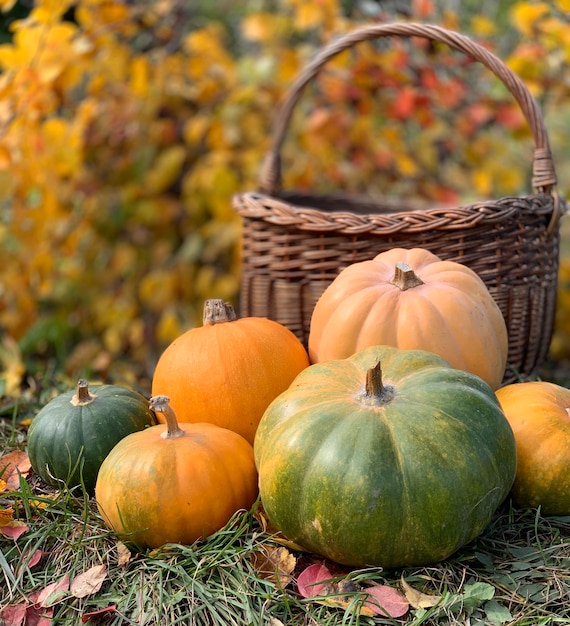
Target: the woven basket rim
pixel 377 216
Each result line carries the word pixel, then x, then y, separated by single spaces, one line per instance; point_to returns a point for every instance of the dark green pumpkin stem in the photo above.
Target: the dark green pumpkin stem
pixel 405 277
pixel 82 395
pixel 217 311
pixel 160 404
pixel 375 392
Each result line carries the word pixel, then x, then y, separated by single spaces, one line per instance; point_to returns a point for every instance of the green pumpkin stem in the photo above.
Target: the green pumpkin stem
pixel 405 277
pixel 82 395
pixel 160 404
pixel 375 392
pixel 216 311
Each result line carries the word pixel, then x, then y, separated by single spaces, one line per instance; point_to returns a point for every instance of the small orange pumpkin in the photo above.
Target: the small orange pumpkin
pixel 411 299
pixel 175 484
pixel 539 415
pixel 228 371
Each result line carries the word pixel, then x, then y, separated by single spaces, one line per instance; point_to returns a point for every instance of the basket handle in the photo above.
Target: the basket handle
pixel 544 174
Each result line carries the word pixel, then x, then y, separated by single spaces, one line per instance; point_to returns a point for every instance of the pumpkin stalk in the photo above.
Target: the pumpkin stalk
pixel 216 311
pixel 82 395
pixel 160 404
pixel 375 391
pixel 405 277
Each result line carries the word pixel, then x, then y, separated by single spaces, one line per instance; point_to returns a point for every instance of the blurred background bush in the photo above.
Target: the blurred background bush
pixel 126 127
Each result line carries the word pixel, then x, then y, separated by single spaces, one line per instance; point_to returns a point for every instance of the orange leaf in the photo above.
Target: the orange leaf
pixel 12 465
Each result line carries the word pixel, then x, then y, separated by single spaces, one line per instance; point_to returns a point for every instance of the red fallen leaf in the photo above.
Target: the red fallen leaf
pixel 89 582
pixel 13 614
pixel 53 593
pixel 87 616
pixel 14 530
pixel 386 601
pixel 30 561
pixel 312 581
pixel 39 616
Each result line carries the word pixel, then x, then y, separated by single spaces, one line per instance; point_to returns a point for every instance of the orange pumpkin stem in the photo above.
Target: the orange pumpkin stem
pixel 82 395
pixel 405 277
pixel 160 404
pixel 216 311
pixel 375 391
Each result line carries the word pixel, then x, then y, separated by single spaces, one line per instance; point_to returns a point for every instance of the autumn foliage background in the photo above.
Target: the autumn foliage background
pixel 125 129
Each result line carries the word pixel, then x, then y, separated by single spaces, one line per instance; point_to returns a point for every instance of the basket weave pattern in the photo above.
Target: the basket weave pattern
pixel 293 244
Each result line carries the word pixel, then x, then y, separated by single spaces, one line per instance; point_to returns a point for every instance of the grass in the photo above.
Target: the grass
pixel 516 572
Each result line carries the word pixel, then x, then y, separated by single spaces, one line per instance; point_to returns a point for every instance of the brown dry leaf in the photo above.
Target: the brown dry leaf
pixel 124 555
pixel 274 564
pixel 12 465
pixel 89 582
pixel 417 599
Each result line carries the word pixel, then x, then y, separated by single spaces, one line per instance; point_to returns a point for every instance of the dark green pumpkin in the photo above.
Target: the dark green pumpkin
pixel 389 467
pixel 71 435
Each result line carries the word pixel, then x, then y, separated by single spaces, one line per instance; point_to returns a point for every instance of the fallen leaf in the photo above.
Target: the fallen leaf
pixel 313 580
pixel 417 599
pixel 53 593
pixel 87 616
pixel 6 517
pixel 12 465
pixel 35 558
pixel 124 555
pixel 386 601
pixel 274 564
pixel 13 614
pixel 89 582
pixel 39 616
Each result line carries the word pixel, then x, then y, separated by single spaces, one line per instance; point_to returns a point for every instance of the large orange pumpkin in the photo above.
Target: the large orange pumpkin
pixel 411 299
pixel 539 415
pixel 175 483
pixel 227 371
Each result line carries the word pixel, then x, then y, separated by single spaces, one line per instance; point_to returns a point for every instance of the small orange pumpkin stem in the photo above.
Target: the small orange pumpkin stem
pixel 82 395
pixel 405 277
pixel 160 404
pixel 217 311
pixel 375 392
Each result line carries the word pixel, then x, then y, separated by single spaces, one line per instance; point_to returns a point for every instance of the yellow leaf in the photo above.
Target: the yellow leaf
pixel 482 26
pixel 6 516
pixel 260 27
pixel 12 367
pixel 6 5
pixel 563 5
pixel 417 599
pixel 525 16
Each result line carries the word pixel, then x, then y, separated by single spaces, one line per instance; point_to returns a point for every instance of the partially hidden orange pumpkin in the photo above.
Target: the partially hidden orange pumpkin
pixel 411 299
pixel 229 370
pixel 539 415
pixel 175 483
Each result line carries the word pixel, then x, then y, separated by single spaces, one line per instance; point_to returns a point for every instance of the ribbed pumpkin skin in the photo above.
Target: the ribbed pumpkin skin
pixel 404 483
pixel 62 434
pixel 539 414
pixel 154 491
pixel 452 314
pixel 227 373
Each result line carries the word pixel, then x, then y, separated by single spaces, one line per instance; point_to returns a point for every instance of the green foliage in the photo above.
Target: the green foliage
pixel 127 127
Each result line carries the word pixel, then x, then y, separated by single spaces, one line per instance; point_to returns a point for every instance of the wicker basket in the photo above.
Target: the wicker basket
pixel 293 244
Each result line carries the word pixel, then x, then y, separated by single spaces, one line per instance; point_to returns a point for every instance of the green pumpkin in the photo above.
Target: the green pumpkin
pixel 71 435
pixel 387 458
